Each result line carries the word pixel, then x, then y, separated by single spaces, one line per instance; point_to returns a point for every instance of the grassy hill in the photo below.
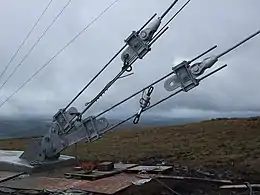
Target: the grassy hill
pixel 232 144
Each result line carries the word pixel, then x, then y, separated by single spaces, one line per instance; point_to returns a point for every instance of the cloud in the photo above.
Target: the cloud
pixel 200 26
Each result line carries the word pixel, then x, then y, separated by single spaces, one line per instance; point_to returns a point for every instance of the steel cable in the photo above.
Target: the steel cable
pixel 25 39
pixel 35 44
pixel 56 54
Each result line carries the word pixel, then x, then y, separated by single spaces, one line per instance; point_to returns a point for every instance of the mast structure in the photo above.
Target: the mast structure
pixel 70 127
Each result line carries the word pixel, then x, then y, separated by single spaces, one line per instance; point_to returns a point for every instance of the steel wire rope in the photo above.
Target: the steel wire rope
pixel 25 39
pixel 35 44
pixel 56 54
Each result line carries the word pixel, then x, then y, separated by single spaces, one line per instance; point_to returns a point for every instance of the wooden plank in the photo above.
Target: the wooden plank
pixel 241 186
pixel 145 176
pixel 95 174
pixel 109 185
pixel 149 169
pixel 6 175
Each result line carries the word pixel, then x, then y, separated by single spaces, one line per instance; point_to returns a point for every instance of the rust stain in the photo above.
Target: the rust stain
pixel 109 185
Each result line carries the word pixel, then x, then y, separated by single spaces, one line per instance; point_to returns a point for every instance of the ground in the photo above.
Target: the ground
pixel 224 144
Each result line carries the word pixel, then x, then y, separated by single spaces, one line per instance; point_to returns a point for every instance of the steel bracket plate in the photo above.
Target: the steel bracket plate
pixel 185 77
pixel 64 118
pixel 137 48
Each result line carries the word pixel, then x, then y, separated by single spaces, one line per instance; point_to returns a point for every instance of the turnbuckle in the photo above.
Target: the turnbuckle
pixel 144 103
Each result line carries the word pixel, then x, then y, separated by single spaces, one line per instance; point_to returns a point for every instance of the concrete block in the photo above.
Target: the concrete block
pixel 10 161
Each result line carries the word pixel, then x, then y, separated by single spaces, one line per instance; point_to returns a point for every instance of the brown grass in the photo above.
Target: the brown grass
pixel 233 143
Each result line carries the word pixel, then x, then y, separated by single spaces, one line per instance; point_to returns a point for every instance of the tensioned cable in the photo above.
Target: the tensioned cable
pixel 35 44
pixel 55 55
pixel 25 39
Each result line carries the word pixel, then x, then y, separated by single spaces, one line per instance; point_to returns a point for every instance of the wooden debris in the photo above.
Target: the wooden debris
pixel 185 178
pixel 6 175
pixel 241 186
pixel 36 185
pixel 105 166
pixel 149 169
pixel 96 174
pixel 86 166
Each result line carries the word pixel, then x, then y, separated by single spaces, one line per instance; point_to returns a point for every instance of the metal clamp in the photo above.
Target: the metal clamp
pixel 64 118
pixel 137 48
pixel 182 78
pixel 198 69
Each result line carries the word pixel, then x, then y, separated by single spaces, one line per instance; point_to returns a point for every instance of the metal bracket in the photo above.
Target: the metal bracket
pixel 137 48
pixel 94 127
pixel 53 143
pixel 185 77
pixel 182 78
pixel 64 118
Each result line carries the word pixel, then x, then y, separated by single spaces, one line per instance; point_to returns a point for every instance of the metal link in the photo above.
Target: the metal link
pixel 144 103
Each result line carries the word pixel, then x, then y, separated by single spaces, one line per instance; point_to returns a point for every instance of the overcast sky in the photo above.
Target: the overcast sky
pixel 201 25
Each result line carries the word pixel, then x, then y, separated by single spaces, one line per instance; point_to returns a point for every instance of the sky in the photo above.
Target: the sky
pixel 231 92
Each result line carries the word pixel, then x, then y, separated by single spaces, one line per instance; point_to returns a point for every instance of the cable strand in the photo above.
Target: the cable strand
pixel 55 55
pixel 35 44
pixel 25 39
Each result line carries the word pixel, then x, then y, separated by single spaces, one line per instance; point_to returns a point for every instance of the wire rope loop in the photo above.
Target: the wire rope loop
pixel 136 119
pixel 150 90
pixel 129 69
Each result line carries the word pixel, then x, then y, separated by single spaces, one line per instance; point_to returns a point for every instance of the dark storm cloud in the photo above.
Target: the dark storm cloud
pixel 201 25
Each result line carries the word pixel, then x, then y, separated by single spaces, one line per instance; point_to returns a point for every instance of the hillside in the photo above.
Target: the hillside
pixel 232 144
pixel 33 127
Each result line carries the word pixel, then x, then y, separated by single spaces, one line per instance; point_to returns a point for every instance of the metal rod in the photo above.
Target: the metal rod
pixel 167 11
pixel 173 17
pixel 158 36
pixel 146 23
pixel 89 83
pixel 214 47
pixel 213 72
pixel 240 43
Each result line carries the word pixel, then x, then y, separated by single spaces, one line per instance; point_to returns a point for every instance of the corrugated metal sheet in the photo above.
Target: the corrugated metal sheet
pixel 109 185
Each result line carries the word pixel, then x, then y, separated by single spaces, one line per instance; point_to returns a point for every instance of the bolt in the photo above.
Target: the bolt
pixel 47 139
